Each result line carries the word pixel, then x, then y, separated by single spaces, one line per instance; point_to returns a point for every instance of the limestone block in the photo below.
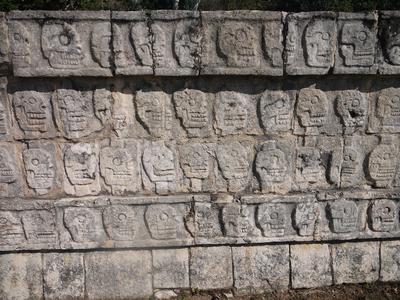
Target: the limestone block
pixel 81 176
pixel 211 268
pixel 21 276
pixel 118 275
pixel 274 219
pixel 390 261
pixel 171 268
pixel 64 276
pixel 357 43
pixel 132 43
pixel 388 51
pixel 11 230
pixel 311 265
pixel 238 221
pixel 384 114
pixel 383 216
pixel 194 110
pixel 40 227
pixel 206 223
pixel 261 268
pixel 355 262
pixel 176 42
pixel 242 43
pixel 310 43
pixel 11 180
pixel 60 43
pixel 6 120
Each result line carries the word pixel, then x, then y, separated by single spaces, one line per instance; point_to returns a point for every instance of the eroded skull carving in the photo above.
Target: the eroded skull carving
pixel 276 111
pixel 388 108
pixel 8 169
pixel 163 221
pixel 11 232
pixel 382 164
pixel 384 215
pixel 154 111
pixel 140 38
pixel 320 43
pixel 3 120
pixel 120 222
pixel 291 44
pixel 273 38
pixel 84 224
pixel 309 165
pixel 237 42
pixel 231 112
pixel 40 169
pixel 233 160
pixel 206 220
pixel 272 219
pixel 159 46
pixel 187 39
pixel 352 107
pixel 344 216
pixel 20 43
pixel 192 108
pixel 391 42
pixel 39 226
pixel 305 218
pixel 195 161
pixel 33 111
pixel 103 105
pixel 237 220
pixel 81 164
pixel 350 166
pixel 357 45
pixel 61 45
pixel 123 112
pixel 271 165
pixel 312 108
pixel 100 41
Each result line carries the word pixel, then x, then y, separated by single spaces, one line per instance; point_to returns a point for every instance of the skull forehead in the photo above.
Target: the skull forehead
pixel 389 97
pixel 355 31
pixel 344 207
pixel 319 26
pixel 384 207
pixel 308 98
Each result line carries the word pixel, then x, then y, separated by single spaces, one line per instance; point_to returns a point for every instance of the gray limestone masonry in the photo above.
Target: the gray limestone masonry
pixel 136 162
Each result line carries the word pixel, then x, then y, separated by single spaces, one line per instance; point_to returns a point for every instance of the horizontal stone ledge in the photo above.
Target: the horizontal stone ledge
pixel 192 43
pixel 185 220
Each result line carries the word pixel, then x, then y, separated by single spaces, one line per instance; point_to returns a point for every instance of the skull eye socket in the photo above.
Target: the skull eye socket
pixel 32 100
pixel 362 35
pixel 395 100
pixel 314 100
pixel 35 161
pixel 122 217
pixel 311 216
pixel 17 37
pixel 164 216
pixel 117 161
pixel 386 156
pixel 325 36
pixel 241 35
pixel 356 103
pixel 280 103
pixel 274 215
pixel 64 39
pixel 3 221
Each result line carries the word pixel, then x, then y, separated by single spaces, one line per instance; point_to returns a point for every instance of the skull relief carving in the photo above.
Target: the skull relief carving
pixel 237 220
pixel 309 165
pixel 388 108
pixel 159 46
pixel 350 166
pixel 312 108
pixel 382 165
pixel 140 38
pixel 291 44
pixel 305 217
pixel 3 120
pixel 61 45
pixel 231 112
pixel 272 219
pixel 384 215
pixel 195 161
pixel 233 160
pixel 352 107
pixel 187 39
pixel 20 43
pixel 11 232
pixel 357 45
pixel 273 38
pixel 344 216
pixel 391 42
pixel 320 43
pixel 120 222
pixel 81 164
pixel 100 40
pixel 39 226
pixel 206 220
pixel 276 111
pixel 237 42
pixel 8 169
pixel 163 221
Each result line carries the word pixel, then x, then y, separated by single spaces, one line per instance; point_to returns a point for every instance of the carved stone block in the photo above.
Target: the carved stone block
pixel 357 43
pixel 4 48
pixel 132 43
pixel 310 265
pixel 11 230
pixel 211 268
pixel 39 227
pixel 81 166
pixel 388 51
pixel 306 217
pixel 118 274
pixel 344 216
pixel 355 262
pixel 121 222
pixel 310 169
pixel 171 268
pixel 10 170
pixel 60 43
pixel 310 43
pixel 246 43
pixel 385 111
pixel 390 261
pixel 206 221
pixel 384 216
pixel 274 219
pixel 5 112
pixel 261 268
pixel 238 220
pixel 119 166
pixel 63 275
pixel 176 42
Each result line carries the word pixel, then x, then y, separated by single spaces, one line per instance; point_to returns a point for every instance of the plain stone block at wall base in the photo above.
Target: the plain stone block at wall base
pixel 211 268
pixel 355 262
pixel 21 276
pixel 390 261
pixel 261 268
pixel 118 275
pixel 311 266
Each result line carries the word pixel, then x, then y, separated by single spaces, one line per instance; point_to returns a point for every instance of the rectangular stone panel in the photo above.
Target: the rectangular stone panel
pixel 58 44
pixel 388 56
pixel 390 261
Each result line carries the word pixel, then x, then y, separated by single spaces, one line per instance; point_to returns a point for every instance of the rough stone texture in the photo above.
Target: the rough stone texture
pixel 355 262
pixel 63 275
pixel 21 276
pixel 390 261
pixel 118 275
pixel 311 266
pixel 211 268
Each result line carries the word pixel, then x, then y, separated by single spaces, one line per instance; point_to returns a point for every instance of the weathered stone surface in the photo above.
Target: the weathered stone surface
pixel 310 265
pixel 21 276
pixel 63 275
pixel 390 261
pixel 171 268
pixel 388 55
pixel 261 268
pixel 118 275
pixel 355 262
pixel 211 268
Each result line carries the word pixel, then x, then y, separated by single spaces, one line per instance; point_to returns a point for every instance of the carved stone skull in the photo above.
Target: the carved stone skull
pixel 352 107
pixel 11 231
pixel 163 221
pixel 291 44
pixel 305 217
pixel 344 216
pixel 384 215
pixel 388 107
pixel 382 164
pixel 320 43
pixel 80 164
pixel 271 164
pixel 117 166
pixel 231 112
pixel 120 222
pixel 309 164
pixel 40 169
pixel 206 220
pixel 61 45
pixel 391 42
pixel 272 219
pixel 276 111
pixel 312 107
pixel 8 169
pixel 236 219
pixel 39 226
pixel 3 120
pixel 100 42
pixel 159 163
pixel 159 46
pixel 350 165
pixel 233 160
pixel 187 39
pixel 140 38
pixel 20 44
pixel 195 161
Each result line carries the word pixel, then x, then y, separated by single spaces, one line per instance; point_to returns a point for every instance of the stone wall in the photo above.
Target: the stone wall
pixel 137 159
